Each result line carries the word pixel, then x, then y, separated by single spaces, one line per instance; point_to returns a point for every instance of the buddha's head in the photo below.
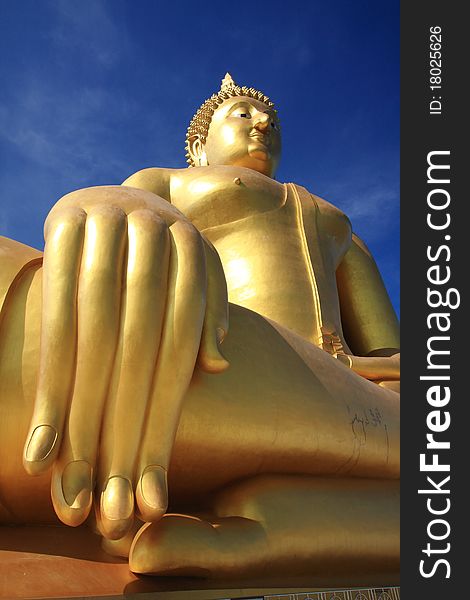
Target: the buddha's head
pixel 238 126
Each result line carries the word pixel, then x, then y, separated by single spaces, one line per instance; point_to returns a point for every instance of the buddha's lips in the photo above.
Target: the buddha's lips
pixel 262 137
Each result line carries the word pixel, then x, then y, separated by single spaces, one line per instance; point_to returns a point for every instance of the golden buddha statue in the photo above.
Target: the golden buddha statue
pixel 210 352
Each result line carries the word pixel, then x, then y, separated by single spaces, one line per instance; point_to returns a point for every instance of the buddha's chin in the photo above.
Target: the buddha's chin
pixel 259 152
pixel 257 159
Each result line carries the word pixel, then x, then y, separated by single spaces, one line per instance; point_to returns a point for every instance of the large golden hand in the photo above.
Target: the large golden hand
pixel 133 296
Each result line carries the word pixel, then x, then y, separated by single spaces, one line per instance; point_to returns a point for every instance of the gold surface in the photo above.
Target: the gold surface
pixel 52 562
pixel 202 348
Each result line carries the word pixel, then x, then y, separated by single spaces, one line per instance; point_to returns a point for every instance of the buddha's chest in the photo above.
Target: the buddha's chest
pixel 279 254
pixel 213 196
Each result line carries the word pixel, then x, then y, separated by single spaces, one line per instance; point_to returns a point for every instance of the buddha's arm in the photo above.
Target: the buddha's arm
pixel 15 259
pixel 369 321
pixel 153 180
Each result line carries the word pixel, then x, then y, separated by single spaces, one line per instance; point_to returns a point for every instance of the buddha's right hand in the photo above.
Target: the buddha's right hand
pixel 133 296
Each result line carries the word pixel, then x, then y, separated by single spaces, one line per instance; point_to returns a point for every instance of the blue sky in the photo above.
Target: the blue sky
pixel 94 90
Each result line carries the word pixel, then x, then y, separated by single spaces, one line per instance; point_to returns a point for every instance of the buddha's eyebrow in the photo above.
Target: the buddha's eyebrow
pixel 243 103
pixel 247 104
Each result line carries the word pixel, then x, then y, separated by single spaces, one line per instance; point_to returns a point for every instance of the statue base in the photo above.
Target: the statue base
pixel 60 562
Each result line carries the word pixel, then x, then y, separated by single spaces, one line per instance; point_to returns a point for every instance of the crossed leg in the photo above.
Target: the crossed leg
pixel 281 527
pixel 283 406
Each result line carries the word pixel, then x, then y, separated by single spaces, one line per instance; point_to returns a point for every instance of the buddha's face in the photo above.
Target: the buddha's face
pixel 244 132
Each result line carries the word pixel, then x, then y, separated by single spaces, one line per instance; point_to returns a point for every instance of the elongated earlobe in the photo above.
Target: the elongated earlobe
pixel 197 151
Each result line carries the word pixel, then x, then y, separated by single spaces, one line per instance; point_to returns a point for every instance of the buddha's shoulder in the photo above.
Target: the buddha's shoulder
pixel 329 210
pixel 333 219
pixel 153 179
pixel 332 223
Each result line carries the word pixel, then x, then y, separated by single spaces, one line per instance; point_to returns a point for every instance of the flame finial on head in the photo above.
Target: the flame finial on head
pixel 227 83
pixel 202 119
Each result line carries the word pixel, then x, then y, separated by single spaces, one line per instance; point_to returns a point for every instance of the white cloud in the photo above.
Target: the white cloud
pixel 65 129
pixel 89 28
pixel 371 204
pixel 371 207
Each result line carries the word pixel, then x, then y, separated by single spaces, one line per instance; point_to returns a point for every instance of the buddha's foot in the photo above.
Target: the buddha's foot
pixel 280 526
pixel 189 546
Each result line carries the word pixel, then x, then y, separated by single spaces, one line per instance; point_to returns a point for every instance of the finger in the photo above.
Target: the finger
pixel 215 328
pixel 141 327
pixel 99 299
pixel 373 367
pixel 178 351
pixel 121 547
pixel 62 254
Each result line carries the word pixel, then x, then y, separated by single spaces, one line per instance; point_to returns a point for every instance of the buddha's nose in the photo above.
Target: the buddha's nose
pixel 262 122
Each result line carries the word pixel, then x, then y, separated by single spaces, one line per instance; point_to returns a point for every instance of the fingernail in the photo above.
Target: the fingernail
pixel 41 443
pixel 77 484
pixel 220 333
pixel 154 488
pixel 117 501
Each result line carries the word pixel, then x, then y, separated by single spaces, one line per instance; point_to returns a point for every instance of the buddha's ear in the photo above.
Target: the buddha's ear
pixel 197 150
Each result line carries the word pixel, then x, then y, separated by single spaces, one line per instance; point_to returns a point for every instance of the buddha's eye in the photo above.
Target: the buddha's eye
pixel 244 115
